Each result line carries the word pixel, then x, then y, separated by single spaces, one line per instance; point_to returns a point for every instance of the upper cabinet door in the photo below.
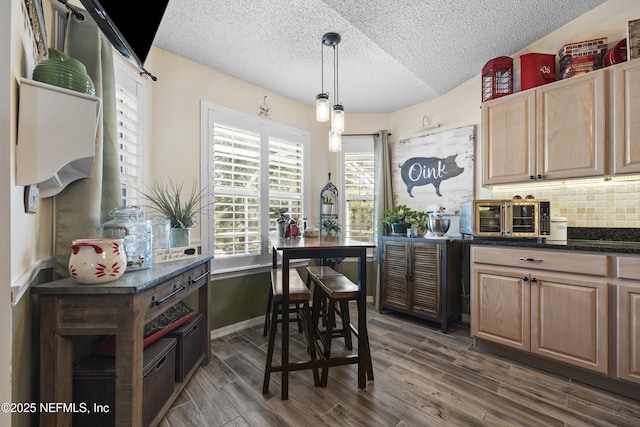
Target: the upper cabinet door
pixel 626 117
pixel 508 138
pixel 571 127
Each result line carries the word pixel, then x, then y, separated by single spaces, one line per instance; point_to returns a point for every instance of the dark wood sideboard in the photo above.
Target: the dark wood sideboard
pixel 119 308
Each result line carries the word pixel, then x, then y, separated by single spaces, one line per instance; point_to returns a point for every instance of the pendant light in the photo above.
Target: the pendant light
pixel 336 112
pixel 335 142
pixel 322 99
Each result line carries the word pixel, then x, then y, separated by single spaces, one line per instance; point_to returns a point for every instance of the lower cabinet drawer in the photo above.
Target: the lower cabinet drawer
pixel 560 261
pixel 94 383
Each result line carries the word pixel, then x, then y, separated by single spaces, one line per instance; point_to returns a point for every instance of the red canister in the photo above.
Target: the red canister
pixel 537 69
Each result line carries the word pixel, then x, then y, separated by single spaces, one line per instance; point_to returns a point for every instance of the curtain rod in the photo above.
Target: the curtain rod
pixel 363 134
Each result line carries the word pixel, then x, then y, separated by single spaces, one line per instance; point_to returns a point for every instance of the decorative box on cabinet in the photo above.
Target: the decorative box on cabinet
pixel 421 277
pixel 94 385
pixel 555 131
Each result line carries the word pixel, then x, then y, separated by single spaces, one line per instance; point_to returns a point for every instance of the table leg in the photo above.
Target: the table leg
pixel 129 365
pixel 363 338
pixel 56 361
pixel 285 326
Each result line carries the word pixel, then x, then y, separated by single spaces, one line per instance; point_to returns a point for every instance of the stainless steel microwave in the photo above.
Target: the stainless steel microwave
pixel 506 218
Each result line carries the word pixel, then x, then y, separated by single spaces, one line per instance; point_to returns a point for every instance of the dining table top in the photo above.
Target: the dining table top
pixel 321 242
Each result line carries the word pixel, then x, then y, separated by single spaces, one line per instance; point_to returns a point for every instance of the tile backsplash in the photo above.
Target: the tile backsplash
pixel 590 204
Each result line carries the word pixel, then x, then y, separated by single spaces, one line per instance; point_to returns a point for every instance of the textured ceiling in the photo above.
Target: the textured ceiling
pixel 393 53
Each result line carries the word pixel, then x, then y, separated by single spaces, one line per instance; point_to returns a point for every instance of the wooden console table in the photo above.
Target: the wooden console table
pixel 119 308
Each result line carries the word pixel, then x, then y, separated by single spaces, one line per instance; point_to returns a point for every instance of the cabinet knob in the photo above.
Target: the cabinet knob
pixel 531 177
pixel 539 177
pixel 525 279
pixel 534 280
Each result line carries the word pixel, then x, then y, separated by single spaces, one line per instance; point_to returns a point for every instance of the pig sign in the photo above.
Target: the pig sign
pixel 434 169
pixel 418 171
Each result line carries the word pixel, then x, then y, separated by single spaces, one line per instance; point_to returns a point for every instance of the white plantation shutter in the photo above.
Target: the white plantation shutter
pixel 286 178
pixel 252 166
pixel 130 102
pixel 358 180
pixel 236 183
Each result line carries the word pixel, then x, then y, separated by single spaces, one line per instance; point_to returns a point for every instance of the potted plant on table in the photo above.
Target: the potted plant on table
pixel 402 217
pixel 181 211
pixel 282 220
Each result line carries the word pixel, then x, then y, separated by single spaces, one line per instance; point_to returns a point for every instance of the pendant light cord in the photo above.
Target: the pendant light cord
pixel 335 73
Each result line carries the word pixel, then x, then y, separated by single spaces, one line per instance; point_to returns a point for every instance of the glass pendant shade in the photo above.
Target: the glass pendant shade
pixel 322 107
pixel 335 142
pixel 337 119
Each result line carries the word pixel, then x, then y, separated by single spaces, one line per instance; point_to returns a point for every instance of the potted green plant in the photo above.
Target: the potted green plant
pixel 182 211
pixel 397 218
pixel 330 227
pixel 282 218
pixel 402 217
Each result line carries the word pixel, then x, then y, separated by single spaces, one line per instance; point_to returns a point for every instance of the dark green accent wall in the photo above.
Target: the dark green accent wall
pixel 243 298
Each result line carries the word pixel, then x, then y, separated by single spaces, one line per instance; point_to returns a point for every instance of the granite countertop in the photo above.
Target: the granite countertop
pixel 593 239
pixel 130 283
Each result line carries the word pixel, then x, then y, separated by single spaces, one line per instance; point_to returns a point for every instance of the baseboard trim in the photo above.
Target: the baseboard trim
pixel 236 327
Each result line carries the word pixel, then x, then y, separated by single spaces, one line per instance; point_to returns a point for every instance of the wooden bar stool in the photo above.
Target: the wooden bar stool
pixel 299 297
pixel 338 289
pixel 316 274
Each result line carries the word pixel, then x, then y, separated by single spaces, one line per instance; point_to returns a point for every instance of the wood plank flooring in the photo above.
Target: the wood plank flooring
pixel 422 378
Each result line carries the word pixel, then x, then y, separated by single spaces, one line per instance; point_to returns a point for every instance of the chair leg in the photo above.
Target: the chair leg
pixel 311 342
pixel 346 323
pixel 267 315
pixel 331 316
pixel 273 327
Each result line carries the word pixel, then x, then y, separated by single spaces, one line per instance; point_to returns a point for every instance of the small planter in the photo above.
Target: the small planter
pixel 327 209
pixel 399 228
pixel 179 237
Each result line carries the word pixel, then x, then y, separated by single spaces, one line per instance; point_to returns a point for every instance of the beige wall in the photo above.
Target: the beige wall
pixel 585 205
pixel 174 140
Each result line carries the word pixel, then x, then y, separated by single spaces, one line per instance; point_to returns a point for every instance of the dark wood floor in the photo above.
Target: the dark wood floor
pixel 422 378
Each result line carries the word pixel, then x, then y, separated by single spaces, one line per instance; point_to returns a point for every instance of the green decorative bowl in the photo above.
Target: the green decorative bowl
pixel 61 70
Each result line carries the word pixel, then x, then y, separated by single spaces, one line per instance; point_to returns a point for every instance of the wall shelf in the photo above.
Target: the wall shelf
pixel 56 136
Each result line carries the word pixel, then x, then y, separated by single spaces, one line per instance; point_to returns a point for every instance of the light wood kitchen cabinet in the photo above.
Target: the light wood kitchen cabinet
pixel 509 138
pixel 550 303
pixel 555 131
pixel 420 277
pixel 626 117
pixel 628 327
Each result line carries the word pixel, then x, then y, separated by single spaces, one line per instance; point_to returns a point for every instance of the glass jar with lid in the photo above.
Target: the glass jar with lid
pixel 128 223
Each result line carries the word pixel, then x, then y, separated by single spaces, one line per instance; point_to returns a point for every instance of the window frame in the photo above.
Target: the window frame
pixel 129 78
pixel 209 114
pixel 358 143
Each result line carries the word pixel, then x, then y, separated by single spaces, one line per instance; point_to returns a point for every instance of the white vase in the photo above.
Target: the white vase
pixel 327 209
pixel 179 237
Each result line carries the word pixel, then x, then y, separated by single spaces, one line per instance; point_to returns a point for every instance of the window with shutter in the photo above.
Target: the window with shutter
pixel 253 165
pixel 357 189
pixel 130 103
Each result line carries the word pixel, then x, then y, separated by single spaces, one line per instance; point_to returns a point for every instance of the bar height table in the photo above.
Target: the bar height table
pixel 322 247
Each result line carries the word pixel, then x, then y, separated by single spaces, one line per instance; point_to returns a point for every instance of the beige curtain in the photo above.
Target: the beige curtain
pixel 383 197
pixel 82 207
